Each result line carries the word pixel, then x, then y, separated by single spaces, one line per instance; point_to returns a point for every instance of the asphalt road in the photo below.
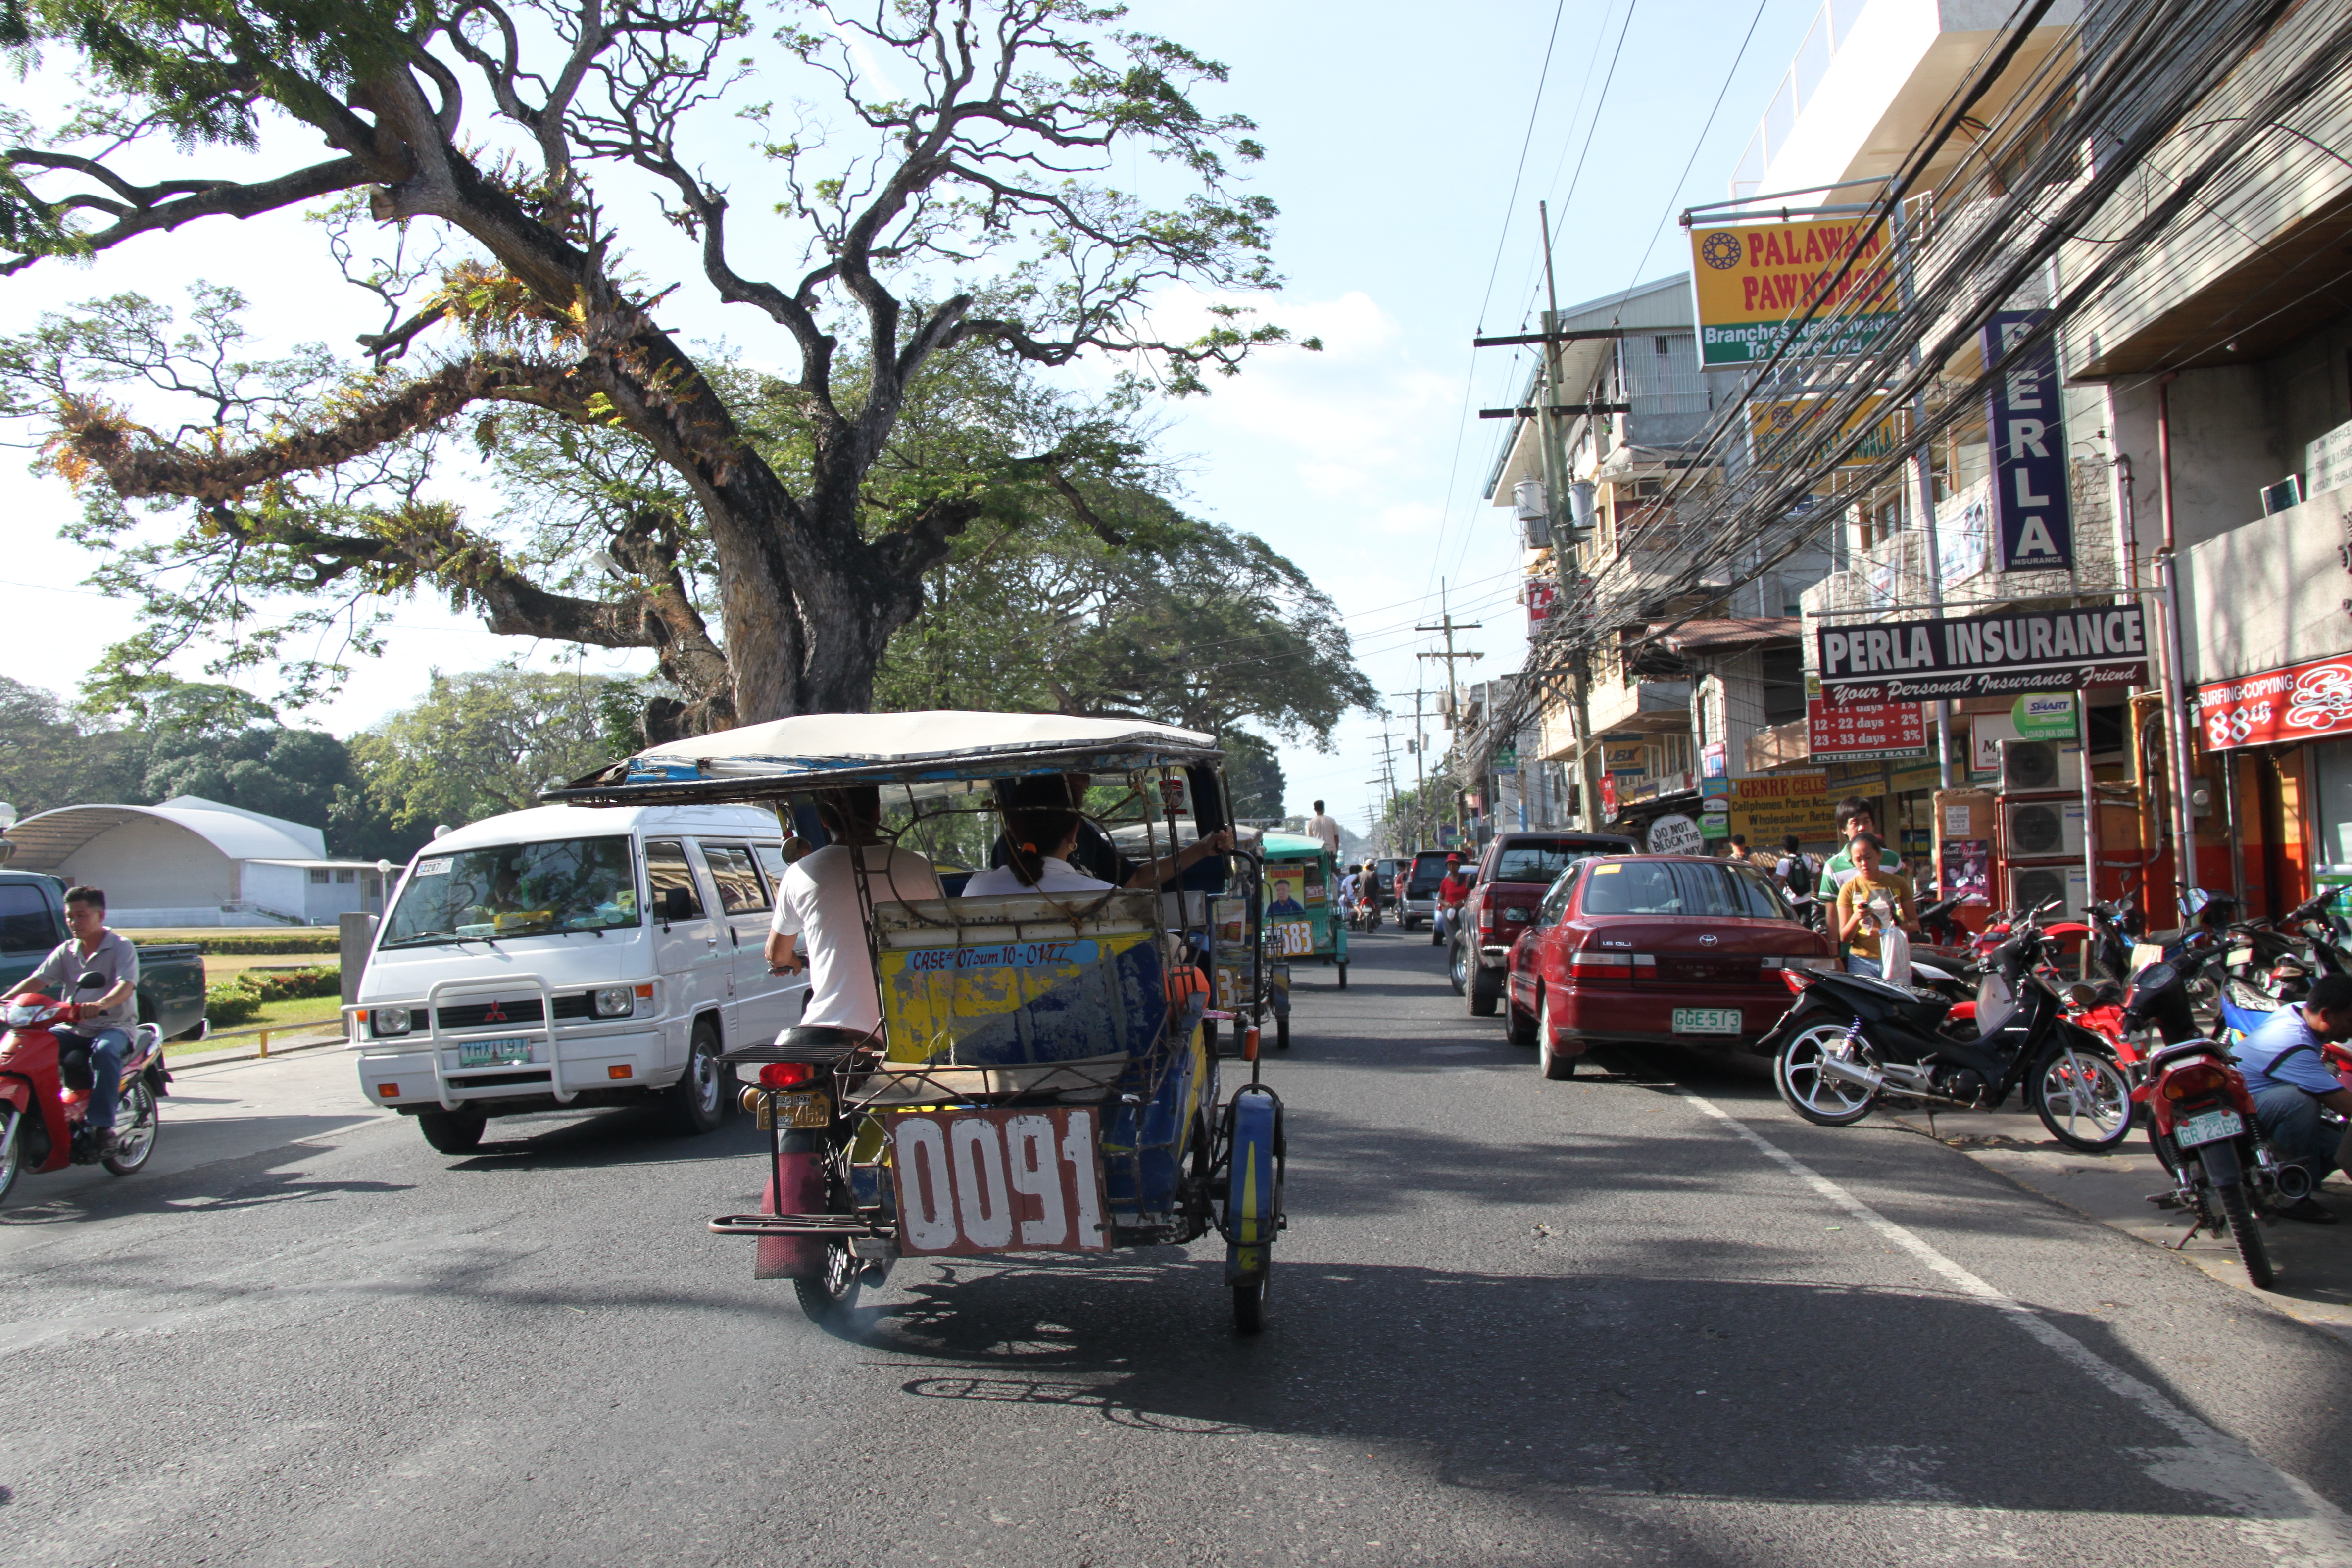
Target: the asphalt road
pixel 1643 1318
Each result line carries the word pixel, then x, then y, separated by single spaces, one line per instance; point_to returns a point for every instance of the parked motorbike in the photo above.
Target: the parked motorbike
pixel 43 1118
pixel 2201 1124
pixel 1850 1040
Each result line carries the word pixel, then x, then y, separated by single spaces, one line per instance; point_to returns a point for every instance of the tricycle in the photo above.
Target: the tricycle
pixel 1302 914
pixel 1040 1081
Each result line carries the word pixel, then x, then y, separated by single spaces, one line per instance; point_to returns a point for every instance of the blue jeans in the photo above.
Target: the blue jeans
pixel 108 1048
pixel 2289 1118
pixel 1856 964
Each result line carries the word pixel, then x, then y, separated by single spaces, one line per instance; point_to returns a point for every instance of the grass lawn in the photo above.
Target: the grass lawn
pixel 293 1014
pixel 220 966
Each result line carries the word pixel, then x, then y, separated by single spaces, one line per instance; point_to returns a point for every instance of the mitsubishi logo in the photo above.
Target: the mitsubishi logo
pixel 498 1013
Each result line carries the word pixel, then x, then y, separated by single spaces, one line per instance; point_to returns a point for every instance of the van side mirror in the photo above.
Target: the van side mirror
pixel 678 903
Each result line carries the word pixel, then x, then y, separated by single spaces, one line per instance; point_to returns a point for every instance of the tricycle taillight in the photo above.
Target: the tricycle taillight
pixel 1796 980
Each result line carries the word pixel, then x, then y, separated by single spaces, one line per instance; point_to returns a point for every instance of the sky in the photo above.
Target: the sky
pixel 1407 148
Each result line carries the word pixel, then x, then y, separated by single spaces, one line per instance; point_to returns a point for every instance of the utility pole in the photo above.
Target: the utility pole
pixel 1419 747
pixel 1449 626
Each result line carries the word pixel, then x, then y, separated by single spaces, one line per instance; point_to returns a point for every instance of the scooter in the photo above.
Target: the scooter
pixel 43 1118
pixel 1850 1040
pixel 2202 1128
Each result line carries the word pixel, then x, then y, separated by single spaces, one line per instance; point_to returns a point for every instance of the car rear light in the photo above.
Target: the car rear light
pixel 1596 958
pixel 786 1075
pixel 2196 1077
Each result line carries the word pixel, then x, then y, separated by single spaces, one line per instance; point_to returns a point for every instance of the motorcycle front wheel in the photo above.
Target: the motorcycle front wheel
pixel 12 1147
pixel 2082 1098
pixel 1815 1095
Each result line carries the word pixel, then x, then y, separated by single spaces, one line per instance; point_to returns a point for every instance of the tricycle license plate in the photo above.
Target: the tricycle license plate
pixel 1706 1020
pixel 1013 1179
pixel 2209 1127
pixel 492 1053
pixel 813 1109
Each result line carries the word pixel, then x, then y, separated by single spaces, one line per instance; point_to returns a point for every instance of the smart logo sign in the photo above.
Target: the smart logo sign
pixel 2024 423
pixel 1750 281
pixel 1984 656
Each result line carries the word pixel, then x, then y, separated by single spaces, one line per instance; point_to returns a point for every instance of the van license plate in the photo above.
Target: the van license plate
pixel 2209 1127
pixel 794 1111
pixel 493 1053
pixel 1706 1020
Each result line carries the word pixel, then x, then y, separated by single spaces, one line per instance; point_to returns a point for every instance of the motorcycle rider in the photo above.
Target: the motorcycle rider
pixel 91 1056
pixel 1452 894
pixel 2287 1073
pixel 1348 897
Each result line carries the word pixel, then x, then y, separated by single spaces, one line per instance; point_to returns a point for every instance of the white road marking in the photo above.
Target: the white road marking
pixel 2286 1518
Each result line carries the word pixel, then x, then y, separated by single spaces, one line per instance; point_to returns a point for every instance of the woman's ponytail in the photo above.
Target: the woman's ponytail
pixel 1032 833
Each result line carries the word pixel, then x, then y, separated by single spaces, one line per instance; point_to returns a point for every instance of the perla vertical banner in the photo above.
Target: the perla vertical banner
pixel 2028 432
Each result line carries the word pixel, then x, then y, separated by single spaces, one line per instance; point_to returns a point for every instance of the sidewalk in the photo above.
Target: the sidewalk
pixel 2313 1261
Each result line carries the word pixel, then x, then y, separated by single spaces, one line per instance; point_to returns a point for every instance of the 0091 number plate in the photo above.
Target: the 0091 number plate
pixel 999 1180
pixel 2209 1127
pixel 794 1111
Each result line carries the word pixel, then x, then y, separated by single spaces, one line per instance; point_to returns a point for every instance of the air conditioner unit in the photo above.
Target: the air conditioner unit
pixel 2031 887
pixel 2030 767
pixel 2040 829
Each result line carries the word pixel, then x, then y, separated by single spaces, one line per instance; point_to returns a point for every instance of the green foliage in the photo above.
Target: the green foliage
pixel 225 942
pixel 484 744
pixel 1191 624
pixel 51 757
pixel 1254 774
pixel 221 743
pixel 240 1000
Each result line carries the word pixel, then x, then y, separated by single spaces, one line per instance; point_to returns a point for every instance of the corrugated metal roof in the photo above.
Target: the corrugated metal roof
pixel 1730 631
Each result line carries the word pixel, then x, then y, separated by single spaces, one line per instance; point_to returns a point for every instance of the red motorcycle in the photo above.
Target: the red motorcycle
pixel 42 1121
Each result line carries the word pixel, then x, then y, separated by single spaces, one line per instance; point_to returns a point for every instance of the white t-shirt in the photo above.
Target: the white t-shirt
pixel 1327 830
pixel 817 901
pixel 1053 876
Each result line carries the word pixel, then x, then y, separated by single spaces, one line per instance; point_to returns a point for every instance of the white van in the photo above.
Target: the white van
pixel 573 957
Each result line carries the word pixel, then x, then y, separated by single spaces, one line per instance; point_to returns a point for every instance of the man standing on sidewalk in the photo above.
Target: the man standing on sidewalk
pixel 1325 830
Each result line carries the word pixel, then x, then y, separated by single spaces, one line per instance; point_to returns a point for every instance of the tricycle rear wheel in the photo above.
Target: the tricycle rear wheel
pixel 834 1291
pixel 1249 1307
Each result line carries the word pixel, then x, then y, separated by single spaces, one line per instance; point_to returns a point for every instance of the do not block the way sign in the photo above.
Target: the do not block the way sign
pixel 1015 1180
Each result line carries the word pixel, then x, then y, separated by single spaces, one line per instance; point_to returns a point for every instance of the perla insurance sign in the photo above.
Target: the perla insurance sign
pixel 2028 432
pixel 1984 656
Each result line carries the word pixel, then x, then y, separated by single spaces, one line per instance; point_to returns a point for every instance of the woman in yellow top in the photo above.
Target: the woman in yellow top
pixel 1857 925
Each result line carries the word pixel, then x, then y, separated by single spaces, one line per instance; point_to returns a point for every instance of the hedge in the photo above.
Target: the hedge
pixel 240 1001
pixel 327 940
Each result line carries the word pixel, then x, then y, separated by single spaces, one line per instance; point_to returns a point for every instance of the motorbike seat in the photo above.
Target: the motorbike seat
pixel 2196 1045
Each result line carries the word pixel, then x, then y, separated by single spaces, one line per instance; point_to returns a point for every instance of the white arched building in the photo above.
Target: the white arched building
pixel 196 862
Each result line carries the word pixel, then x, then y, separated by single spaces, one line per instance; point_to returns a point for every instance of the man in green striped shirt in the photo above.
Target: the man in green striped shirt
pixel 1854 815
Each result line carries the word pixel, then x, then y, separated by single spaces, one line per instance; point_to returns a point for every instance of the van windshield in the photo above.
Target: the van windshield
pixel 516 889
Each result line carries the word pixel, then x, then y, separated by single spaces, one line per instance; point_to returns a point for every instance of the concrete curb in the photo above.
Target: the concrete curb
pixel 251 1053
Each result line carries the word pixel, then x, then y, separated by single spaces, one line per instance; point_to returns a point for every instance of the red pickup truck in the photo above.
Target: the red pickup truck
pixel 1513 873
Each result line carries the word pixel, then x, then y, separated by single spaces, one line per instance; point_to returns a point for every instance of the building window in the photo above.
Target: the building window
pixel 1665 345
pixel 345 875
pixel 318 876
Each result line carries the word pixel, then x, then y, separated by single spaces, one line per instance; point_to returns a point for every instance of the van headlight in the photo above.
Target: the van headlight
pixel 388 1021
pixel 615 1002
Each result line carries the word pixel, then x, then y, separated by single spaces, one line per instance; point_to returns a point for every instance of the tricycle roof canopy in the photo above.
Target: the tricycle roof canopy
pixel 820 751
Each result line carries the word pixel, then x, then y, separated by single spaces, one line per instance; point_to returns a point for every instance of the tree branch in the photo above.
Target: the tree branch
pixel 164 206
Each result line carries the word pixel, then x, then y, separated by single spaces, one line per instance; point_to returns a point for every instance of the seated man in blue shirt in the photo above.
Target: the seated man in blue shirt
pixel 2290 1080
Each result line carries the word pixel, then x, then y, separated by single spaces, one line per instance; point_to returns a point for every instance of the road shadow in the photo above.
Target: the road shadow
pixel 623 1135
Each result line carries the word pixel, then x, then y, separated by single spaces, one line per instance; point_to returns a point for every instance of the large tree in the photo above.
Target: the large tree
pixel 481 744
pixel 965 204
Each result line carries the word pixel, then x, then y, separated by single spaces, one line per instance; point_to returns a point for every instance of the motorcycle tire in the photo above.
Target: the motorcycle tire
pixel 2251 1249
pixel 12 1148
pixel 2108 1122
pixel 134 1130
pixel 1821 1100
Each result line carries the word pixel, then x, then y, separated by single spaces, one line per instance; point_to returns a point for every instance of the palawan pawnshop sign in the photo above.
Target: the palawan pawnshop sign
pixel 1985 656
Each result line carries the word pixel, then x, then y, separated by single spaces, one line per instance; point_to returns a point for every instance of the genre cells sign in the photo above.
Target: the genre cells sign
pixel 2027 434
pixel 1750 280
pixel 2301 703
pixel 1985 656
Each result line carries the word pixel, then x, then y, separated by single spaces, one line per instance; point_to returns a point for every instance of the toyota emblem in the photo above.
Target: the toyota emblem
pixel 1707 941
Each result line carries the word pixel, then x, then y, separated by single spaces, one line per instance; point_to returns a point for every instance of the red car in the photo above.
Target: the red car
pixel 1655 950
